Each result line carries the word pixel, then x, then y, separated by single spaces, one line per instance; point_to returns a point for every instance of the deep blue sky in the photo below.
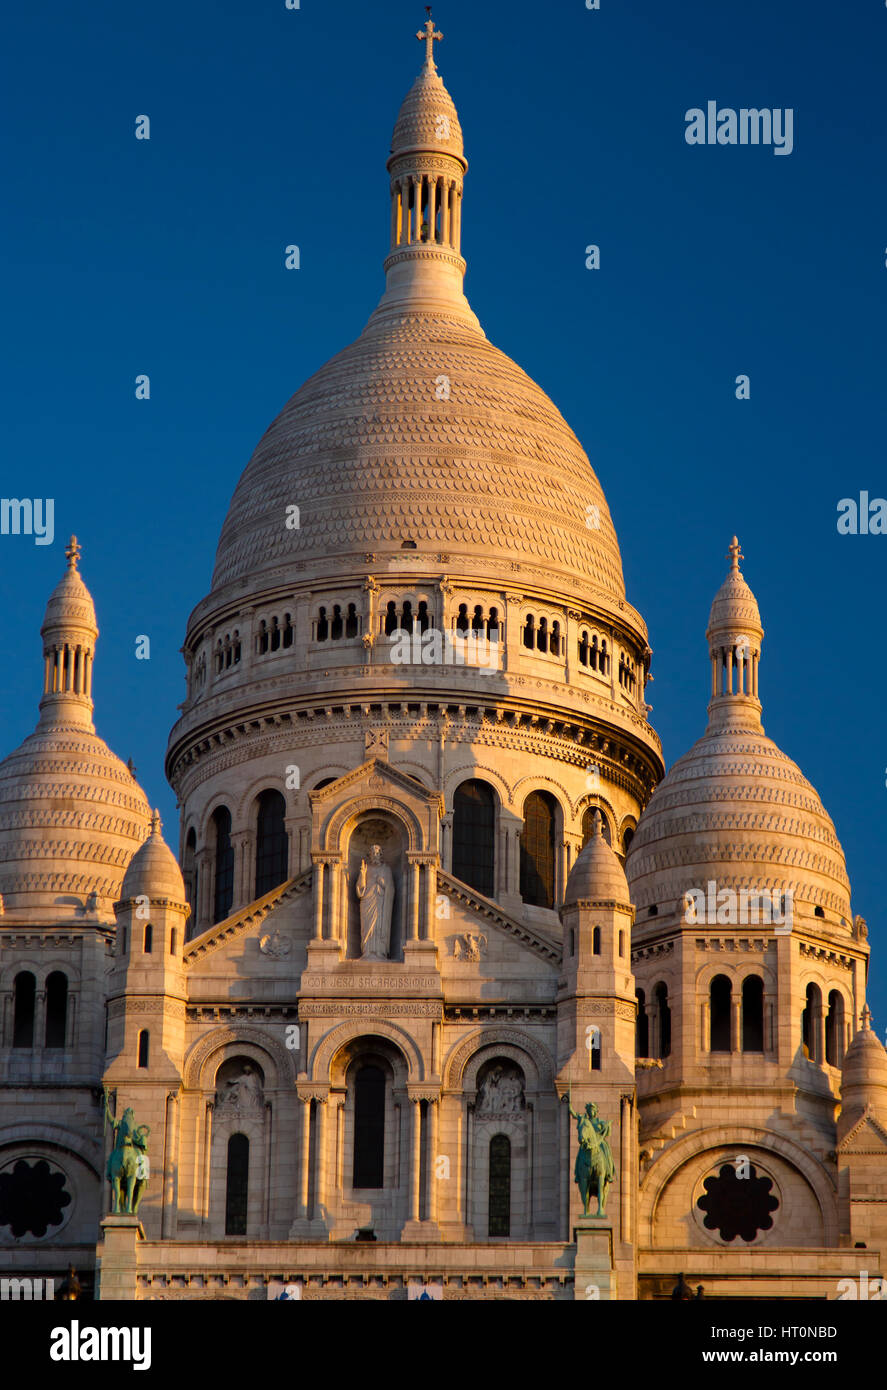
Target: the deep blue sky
pixel 272 126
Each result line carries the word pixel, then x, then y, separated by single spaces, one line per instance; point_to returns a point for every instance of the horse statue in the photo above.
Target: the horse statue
pixel 594 1166
pixel 128 1169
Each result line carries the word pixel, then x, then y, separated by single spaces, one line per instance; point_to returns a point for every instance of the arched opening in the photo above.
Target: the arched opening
pixel 237 1185
pixel 224 864
pixel 588 826
pixel 337 625
pixel 271 842
pixel 369 1127
pixel 621 943
pixel 24 1000
pixel 627 837
pixel 537 850
pixel 811 1024
pixel 189 874
pixel 499 1223
pixel 351 621
pixel 474 825
pixel 595 1048
pixel 642 1026
pixel 834 1029
pixel 595 941
pixel 148 940
pixel 56 1009
pixel 720 1006
pixel 753 1014
pixel 144 1047
pixel 663 1018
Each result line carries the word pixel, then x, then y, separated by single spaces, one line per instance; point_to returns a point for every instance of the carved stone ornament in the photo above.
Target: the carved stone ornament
pixel 471 946
pixel 274 945
pixel 242 1095
pixel 502 1091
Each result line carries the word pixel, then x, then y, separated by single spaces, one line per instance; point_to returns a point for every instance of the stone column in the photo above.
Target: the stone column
pixel 304 1155
pixel 415 1155
pixel 206 1197
pixel 321 1131
pixel 433 1134
pixel 736 1029
pixel 394 201
pixel 430 900
pixel 432 208
pixel 417 209
pixel 445 212
pixel 318 898
pixel 170 1167
pixel 625 1152
pixel 244 881
pixel 565 1169
pixel 204 860
pixel 414 900
pixel 446 842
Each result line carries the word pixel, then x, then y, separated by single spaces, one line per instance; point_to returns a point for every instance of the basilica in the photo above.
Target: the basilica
pixel 449 985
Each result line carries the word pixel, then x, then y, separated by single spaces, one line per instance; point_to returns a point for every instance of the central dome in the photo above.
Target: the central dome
pixel 423 435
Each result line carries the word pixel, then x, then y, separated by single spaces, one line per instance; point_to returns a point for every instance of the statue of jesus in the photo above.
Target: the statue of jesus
pixel 375 889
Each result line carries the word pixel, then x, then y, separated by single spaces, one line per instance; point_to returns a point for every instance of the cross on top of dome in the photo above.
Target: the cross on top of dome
pixel 735 554
pixel 428 34
pixel 72 553
pixel 156 822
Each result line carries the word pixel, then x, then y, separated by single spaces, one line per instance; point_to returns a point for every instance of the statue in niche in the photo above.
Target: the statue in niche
pixel 502 1092
pixel 243 1092
pixel 375 890
pixel 594 1169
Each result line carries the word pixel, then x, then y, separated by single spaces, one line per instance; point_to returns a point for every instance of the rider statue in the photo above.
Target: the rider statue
pixel 128 1166
pixel 594 1161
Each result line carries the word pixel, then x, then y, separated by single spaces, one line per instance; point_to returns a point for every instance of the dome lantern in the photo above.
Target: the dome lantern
pixel 69 635
pixel 734 642
pixel 424 266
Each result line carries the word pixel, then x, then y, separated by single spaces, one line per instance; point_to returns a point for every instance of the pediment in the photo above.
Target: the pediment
pixel 247 920
pixel 471 914
pixel 375 786
pixel 867 1136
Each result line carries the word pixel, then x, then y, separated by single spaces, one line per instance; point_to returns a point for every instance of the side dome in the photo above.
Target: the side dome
pixel 735 810
pixel 71 813
pixel 153 870
pixel 597 873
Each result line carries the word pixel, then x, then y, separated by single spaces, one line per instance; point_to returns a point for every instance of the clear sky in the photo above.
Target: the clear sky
pixel 271 126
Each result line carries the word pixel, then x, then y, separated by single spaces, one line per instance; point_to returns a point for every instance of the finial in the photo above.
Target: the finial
pixel 131 767
pixel 73 553
pixel 735 555
pixel 429 34
pixel 866 1017
pixel 598 822
pixel 156 822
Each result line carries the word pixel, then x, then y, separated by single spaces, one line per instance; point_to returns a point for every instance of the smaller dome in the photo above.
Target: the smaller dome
pixel 428 120
pixel 735 608
pixel 153 871
pixel 864 1073
pixel 597 873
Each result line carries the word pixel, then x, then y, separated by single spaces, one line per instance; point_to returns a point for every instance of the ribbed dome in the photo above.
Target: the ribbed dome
pixel 153 870
pixel 71 813
pixel 735 810
pixel 597 873
pixel 375 459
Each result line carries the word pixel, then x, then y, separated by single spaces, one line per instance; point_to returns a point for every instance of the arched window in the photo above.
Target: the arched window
pixel 351 623
pixel 663 1017
pixel 529 632
pixel 237 1185
pixel 148 941
pixel 642 1026
pixel 323 627
pixel 595 1048
pixel 189 874
pixel 595 941
pixel 477 622
pixel 369 1127
pixel 56 1009
pixel 493 625
pixel 542 635
pixel 423 617
pixel 622 943
pixel 753 1014
pixel 811 1024
pixel 224 864
pixel 271 842
pixel 588 826
pixel 337 625
pixel 406 620
pixel 571 942
pixel 834 1029
pixel 555 639
pixel 462 619
pixel 500 1186
pixel 144 1048
pixel 275 635
pixel 721 1004
pixel 24 997
pixel 173 942
pixel 627 837
pixel 391 623
pixel 474 818
pixel 537 850
pixel 583 649
pixel 288 630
